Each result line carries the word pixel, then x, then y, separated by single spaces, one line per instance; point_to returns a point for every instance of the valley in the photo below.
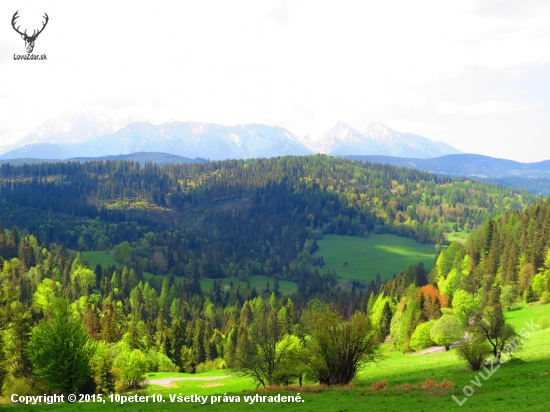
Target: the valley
pixel 198 269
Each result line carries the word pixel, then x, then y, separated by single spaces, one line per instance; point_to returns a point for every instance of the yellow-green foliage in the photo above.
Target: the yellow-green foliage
pixel 378 307
pixel 420 338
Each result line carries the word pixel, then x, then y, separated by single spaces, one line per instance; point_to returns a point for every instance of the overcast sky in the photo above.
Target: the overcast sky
pixel 473 74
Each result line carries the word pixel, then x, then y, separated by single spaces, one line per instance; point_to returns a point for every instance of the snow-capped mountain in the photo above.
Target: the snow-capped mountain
pixel 10 139
pixel 93 134
pixel 343 139
pixel 376 139
pixel 189 139
pixel 70 128
pixel 406 144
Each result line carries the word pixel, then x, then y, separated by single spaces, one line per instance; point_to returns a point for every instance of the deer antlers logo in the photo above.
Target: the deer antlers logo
pixel 29 40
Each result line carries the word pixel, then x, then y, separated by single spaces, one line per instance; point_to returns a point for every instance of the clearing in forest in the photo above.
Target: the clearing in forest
pixel 362 258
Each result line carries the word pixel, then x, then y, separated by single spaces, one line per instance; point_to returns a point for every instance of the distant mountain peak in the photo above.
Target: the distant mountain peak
pixel 376 139
pixel 92 133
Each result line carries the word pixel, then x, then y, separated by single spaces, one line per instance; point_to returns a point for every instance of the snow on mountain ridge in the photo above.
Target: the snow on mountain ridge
pixel 376 139
pixel 84 133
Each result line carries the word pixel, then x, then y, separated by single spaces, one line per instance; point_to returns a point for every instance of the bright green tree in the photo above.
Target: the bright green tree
pixel 465 305
pixel 132 365
pixel 446 330
pixel 507 297
pixel 61 349
pixel 420 338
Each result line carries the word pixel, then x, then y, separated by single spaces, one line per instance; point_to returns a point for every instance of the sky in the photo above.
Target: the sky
pixel 472 74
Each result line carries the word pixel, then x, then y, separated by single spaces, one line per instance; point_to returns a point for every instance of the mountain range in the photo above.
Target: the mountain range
pixel 466 165
pixel 376 139
pixel 93 134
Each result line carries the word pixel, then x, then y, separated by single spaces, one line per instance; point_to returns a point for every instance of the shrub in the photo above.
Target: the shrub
pixel 446 330
pixel 159 362
pixel 165 363
pixel 420 338
pixel 544 322
pixel 19 386
pixel 507 297
pixel 131 365
pixel 209 365
pixel 474 351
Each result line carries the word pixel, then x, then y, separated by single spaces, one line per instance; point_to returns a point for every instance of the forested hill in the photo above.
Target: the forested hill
pixel 240 219
pixel 505 262
pixel 531 176
pixel 258 215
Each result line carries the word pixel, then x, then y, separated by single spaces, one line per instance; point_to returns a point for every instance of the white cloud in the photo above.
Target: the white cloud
pixel 482 108
pixel 498 107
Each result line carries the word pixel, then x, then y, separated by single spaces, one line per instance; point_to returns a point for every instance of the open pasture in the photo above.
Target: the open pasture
pixel 362 258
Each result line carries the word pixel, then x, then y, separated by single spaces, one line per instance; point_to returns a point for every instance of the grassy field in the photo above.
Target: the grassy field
pixel 461 236
pixel 103 258
pixel 259 282
pixel 517 385
pixel 365 257
pixel 106 259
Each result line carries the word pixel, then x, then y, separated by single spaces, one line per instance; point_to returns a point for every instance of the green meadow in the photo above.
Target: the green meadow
pixel 259 282
pixel 397 383
pixel 461 236
pixel 106 259
pixel 103 258
pixel 362 258
pixel 350 256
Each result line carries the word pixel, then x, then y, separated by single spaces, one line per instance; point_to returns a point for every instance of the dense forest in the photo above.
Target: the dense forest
pixel 180 218
pixel 242 218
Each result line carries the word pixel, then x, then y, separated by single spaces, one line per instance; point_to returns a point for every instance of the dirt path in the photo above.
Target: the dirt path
pixel 429 351
pixel 168 381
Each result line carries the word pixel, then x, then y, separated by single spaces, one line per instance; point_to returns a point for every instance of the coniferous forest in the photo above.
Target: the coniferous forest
pixel 171 227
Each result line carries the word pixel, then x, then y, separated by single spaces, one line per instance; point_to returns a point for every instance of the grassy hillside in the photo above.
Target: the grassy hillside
pixel 103 258
pixel 516 386
pixel 365 257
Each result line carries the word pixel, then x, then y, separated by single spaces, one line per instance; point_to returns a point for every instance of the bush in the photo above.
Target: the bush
pixel 19 386
pixel 131 365
pixel 544 322
pixel 507 297
pixel 545 297
pixel 474 351
pixel 24 386
pixel 159 362
pixel 420 338
pixel 209 365
pixel 165 363
pixel 446 330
